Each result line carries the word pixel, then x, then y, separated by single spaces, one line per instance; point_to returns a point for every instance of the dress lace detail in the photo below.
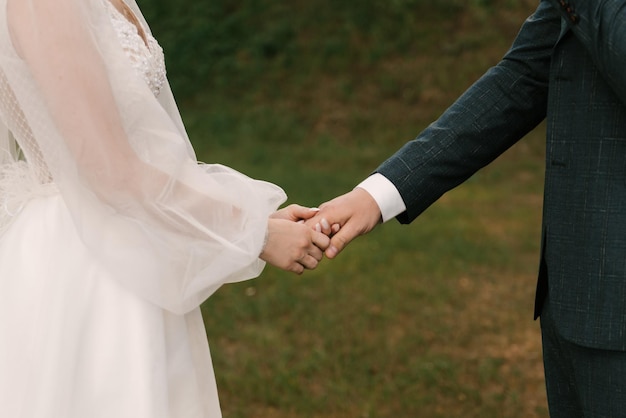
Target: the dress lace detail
pixel 146 56
pixel 22 180
pixel 23 171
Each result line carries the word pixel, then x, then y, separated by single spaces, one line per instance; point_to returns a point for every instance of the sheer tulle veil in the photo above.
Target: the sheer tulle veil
pixel 88 126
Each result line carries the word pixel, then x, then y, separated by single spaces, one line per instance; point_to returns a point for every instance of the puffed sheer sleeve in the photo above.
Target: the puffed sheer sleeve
pixel 167 227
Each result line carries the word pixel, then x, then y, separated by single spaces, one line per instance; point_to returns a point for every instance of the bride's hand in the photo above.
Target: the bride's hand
pixel 293 246
pixel 295 213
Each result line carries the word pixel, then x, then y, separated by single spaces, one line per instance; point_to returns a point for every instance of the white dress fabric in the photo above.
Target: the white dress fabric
pixel 111 233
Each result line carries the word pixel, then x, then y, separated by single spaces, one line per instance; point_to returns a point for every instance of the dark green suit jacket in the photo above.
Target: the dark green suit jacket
pixel 568 66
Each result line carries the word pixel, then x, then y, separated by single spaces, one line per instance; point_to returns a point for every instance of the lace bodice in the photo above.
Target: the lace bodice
pixel 146 56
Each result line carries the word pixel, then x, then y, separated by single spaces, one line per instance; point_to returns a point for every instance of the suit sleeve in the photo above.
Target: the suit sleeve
pixel 506 103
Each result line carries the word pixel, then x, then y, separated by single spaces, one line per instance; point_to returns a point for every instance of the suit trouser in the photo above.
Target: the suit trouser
pixel 580 381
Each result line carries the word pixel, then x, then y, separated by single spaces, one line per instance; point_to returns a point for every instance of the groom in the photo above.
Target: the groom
pixel 568 64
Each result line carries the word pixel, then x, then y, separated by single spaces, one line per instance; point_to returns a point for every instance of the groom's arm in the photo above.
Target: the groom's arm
pixel 499 109
pixel 493 114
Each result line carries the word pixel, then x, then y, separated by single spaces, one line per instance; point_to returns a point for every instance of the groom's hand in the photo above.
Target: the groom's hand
pixel 355 213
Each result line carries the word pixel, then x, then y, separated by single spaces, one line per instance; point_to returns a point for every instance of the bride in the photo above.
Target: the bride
pixel 111 233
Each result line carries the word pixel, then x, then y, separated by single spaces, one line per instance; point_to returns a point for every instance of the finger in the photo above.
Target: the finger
pixel 309 262
pixel 300 212
pixel 335 228
pixel 313 221
pixel 320 240
pixel 297 268
pixel 327 215
pixel 316 252
pixel 339 241
pixel 325 226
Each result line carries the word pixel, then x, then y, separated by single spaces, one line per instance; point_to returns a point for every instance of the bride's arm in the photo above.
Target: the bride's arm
pixel 74 81
pixel 174 208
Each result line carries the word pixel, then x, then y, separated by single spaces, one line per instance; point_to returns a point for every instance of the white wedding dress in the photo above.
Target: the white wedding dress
pixel 111 234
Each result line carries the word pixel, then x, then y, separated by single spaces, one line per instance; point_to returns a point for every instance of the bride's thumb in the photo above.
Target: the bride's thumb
pixel 304 213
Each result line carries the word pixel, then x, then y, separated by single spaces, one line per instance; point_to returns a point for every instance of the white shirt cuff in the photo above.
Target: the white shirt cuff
pixel 385 194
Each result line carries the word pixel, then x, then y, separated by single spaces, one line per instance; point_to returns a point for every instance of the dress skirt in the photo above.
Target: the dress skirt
pixel 74 343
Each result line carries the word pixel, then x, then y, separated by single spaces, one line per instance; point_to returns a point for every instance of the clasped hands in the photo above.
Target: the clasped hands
pixel 299 237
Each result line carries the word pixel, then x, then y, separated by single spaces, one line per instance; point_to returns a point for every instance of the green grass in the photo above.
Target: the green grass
pixel 433 319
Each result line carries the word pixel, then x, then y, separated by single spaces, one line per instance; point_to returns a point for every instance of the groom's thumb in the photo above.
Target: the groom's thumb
pixel 339 241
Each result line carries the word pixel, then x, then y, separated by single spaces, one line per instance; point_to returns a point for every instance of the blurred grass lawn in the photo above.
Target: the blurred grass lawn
pixel 428 320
